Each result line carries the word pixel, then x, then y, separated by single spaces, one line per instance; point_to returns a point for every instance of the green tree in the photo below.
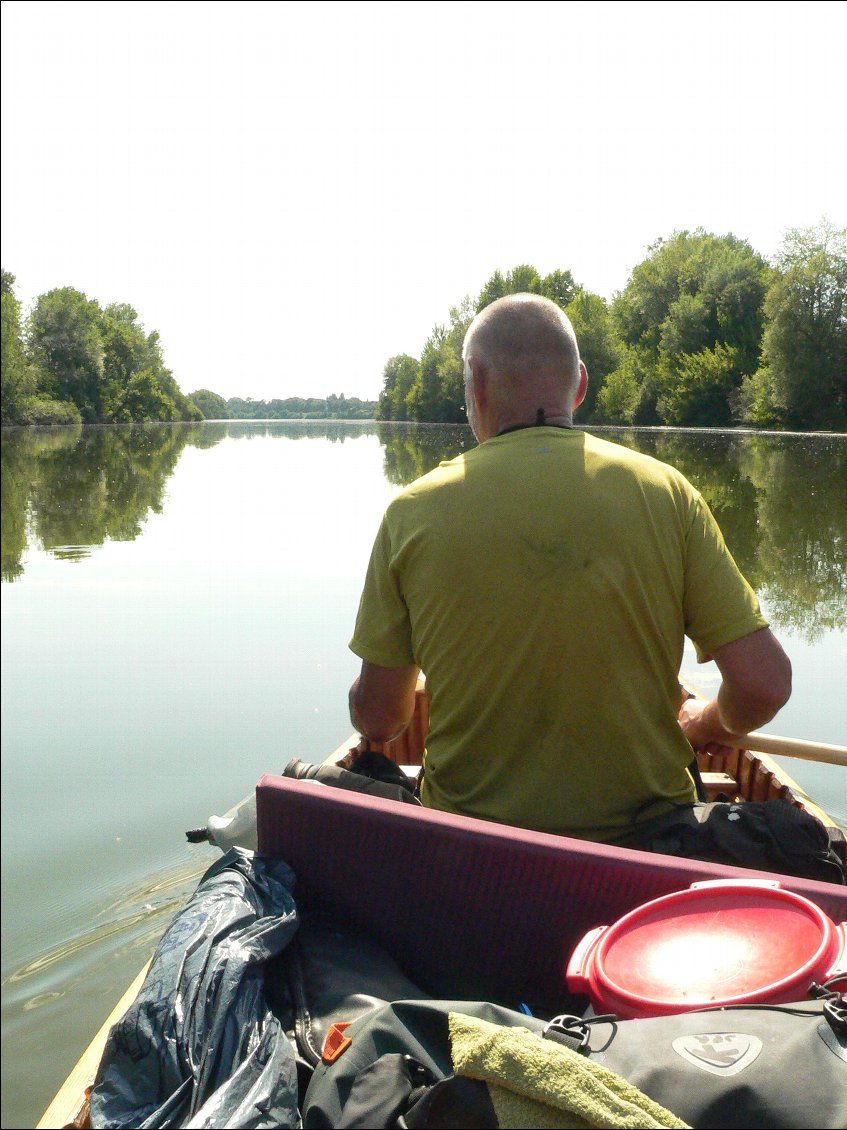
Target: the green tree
pixel 693 293
pixel 802 382
pixel 559 287
pixel 619 397
pixel 101 363
pixel 67 346
pixel 525 279
pixel 425 399
pixel 143 398
pixel 495 288
pixel 212 406
pixel 438 394
pixel 126 351
pixel 17 378
pixel 599 346
pixel 398 376
pixel 140 384
pixel 699 393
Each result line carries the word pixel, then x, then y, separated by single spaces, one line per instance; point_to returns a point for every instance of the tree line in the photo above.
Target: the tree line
pixel 75 362
pixel 292 408
pixel 706 333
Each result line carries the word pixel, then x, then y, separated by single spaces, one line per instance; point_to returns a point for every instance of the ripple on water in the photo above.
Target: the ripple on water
pixel 144 910
pixel 40 999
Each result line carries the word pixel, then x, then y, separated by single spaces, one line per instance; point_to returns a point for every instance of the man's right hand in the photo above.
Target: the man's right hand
pixel 698 718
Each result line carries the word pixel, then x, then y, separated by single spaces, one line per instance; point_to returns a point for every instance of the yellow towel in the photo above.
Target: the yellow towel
pixel 538 1083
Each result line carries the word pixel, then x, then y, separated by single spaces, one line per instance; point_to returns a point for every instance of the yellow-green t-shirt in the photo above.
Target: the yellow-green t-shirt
pixel 544 582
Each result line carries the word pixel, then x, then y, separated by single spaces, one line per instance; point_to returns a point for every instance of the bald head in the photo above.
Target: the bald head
pixel 521 355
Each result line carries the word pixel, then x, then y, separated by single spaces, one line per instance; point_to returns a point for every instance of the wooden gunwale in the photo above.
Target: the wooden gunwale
pixel 70 1106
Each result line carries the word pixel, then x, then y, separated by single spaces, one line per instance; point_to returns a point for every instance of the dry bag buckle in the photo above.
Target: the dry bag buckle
pixel 835 1010
pixel 572 1031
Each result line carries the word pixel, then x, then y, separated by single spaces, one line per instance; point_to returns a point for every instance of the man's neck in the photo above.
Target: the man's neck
pixel 542 420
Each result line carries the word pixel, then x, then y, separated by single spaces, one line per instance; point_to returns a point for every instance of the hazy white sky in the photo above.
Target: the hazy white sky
pixel 292 193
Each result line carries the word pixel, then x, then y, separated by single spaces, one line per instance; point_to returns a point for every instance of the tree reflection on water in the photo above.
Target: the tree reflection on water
pixel 781 500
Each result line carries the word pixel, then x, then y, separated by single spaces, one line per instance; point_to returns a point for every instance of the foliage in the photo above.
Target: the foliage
pixel 698 392
pixel 212 406
pixel 432 389
pixel 67 347
pixel 299 408
pixel 695 295
pixel 558 286
pixel 599 347
pixel 17 378
pixel 78 362
pixel 802 382
pixel 398 376
pixel 619 398
pixel 705 334
pixel 438 392
pixel 42 412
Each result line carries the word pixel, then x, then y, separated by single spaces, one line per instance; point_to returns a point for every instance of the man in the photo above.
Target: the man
pixel 544 582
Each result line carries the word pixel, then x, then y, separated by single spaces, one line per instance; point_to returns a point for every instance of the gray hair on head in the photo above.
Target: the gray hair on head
pixel 524 336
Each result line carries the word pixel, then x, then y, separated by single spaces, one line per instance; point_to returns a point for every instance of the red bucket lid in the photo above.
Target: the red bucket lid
pixel 719 942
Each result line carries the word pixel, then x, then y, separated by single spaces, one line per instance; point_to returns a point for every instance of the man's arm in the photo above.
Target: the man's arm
pixel 382 700
pixel 756 683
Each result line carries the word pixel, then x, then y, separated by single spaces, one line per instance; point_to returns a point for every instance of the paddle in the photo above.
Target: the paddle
pixel 757 742
pixel 795 747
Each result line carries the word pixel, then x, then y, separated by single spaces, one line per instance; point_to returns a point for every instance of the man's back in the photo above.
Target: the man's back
pixel 544 583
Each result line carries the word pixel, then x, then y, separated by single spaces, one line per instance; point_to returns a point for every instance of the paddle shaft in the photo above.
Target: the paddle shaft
pixel 757 742
pixel 795 747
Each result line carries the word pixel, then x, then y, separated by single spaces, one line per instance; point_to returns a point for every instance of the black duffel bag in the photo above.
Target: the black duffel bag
pixel 780 1066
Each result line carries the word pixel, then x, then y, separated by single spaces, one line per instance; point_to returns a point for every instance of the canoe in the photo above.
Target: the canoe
pixel 326 834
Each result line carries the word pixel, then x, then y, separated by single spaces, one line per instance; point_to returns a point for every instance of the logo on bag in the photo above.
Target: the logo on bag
pixel 719 1053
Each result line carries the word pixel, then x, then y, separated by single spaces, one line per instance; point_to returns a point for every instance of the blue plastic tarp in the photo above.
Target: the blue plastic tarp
pixel 200 1047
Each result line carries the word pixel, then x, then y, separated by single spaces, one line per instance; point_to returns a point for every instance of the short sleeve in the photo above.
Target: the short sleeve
pixel 383 633
pixel 720 605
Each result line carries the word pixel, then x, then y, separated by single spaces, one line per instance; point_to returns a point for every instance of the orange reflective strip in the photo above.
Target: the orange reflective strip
pixel 336 1042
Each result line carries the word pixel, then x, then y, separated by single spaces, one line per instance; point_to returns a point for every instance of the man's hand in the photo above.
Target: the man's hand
pixel 697 719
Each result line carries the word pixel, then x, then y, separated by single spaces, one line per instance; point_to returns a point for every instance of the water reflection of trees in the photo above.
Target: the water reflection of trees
pixel 70 488
pixel 781 500
pixel 802 514
pixel 67 489
pixel 336 431
pixel 411 450
pixel 782 504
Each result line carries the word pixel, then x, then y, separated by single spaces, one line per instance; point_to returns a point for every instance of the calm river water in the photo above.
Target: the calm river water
pixel 176 606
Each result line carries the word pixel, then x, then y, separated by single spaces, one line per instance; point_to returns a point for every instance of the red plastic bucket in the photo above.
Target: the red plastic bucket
pixel 717 943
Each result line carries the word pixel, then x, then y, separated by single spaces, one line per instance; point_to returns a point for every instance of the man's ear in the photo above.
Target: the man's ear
pixel 479 383
pixel 582 387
